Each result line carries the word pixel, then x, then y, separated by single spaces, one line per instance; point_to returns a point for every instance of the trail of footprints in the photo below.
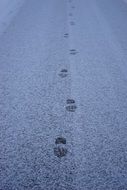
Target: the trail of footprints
pixel 60 149
pixel 72 23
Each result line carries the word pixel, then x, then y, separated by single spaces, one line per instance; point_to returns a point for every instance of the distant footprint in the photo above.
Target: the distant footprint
pixel 70 101
pixel 70 14
pixel 11 12
pixel 63 73
pixel 73 51
pixel 73 7
pixel 71 106
pixel 72 23
pixel 66 35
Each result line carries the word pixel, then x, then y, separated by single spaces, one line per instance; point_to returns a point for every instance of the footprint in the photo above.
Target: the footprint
pixel 66 35
pixel 70 101
pixel 73 51
pixel 70 14
pixel 71 108
pixel 63 73
pixel 72 23
pixel 11 12
pixel 60 152
pixel 60 140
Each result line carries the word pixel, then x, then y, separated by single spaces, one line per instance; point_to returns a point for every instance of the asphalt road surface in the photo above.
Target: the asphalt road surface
pixel 63 96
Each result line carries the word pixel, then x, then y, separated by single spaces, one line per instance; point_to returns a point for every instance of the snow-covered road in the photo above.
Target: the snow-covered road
pixel 63 96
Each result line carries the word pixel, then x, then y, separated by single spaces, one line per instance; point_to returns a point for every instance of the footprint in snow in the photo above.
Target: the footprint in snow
pixel 63 73
pixel 73 51
pixel 60 150
pixel 71 106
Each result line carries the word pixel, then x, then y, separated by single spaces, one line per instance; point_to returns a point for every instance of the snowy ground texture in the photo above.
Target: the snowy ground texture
pixel 8 9
pixel 63 96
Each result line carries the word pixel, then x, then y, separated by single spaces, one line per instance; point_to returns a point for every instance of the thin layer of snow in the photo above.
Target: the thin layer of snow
pixel 8 9
pixel 125 1
pixel 88 39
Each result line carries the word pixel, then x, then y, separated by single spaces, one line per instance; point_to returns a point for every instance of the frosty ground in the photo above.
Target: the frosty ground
pixel 63 96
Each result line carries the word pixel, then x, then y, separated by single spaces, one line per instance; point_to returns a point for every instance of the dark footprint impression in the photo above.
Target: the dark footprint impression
pixel 71 107
pixel 63 73
pixel 73 52
pixel 70 14
pixel 66 35
pixel 70 101
pixel 60 150
pixel 72 23
pixel 60 140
